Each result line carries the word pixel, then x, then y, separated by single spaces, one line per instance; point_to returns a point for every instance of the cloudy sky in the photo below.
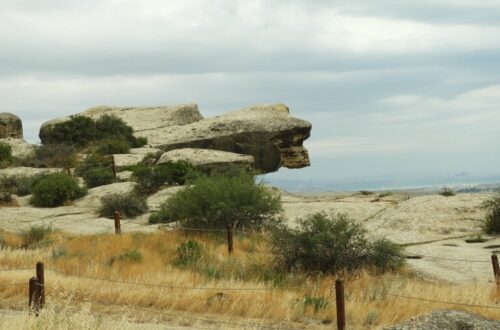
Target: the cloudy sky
pixel 390 86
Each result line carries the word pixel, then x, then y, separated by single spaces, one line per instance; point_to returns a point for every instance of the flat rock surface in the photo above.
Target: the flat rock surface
pixel 122 160
pixel 448 320
pixel 203 157
pixel 26 171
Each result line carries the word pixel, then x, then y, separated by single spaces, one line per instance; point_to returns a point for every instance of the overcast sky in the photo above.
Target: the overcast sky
pixel 390 86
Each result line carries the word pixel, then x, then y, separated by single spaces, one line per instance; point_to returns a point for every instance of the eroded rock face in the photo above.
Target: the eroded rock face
pixel 11 126
pixel 206 157
pixel 268 133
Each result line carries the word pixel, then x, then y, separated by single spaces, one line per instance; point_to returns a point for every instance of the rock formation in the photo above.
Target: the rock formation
pixel 206 157
pixel 20 148
pixel 11 126
pixel 267 132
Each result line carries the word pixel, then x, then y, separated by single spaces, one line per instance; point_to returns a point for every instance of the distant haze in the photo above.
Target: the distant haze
pixel 391 87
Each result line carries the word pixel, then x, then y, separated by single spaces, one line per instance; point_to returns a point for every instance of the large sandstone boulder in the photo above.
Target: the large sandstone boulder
pixel 206 157
pixel 267 132
pixel 143 119
pixel 11 126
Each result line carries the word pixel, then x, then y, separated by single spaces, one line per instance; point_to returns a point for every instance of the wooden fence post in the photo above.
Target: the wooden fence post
pixel 230 239
pixel 34 298
pixel 118 229
pixel 40 275
pixel 339 299
pixel 496 268
pixel 113 165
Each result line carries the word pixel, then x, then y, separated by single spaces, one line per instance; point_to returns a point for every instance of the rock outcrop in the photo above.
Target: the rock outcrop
pixel 206 157
pixel 267 132
pixel 145 120
pixel 20 148
pixel 447 320
pixel 11 126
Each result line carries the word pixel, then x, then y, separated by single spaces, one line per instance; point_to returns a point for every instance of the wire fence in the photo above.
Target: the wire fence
pixel 41 296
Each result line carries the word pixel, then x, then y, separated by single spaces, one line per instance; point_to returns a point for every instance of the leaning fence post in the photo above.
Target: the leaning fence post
pixel 230 239
pixel 113 165
pixel 339 299
pixel 496 268
pixel 34 298
pixel 118 229
pixel 40 275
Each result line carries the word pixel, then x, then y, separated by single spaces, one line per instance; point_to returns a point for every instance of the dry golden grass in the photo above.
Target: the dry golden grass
pixel 150 258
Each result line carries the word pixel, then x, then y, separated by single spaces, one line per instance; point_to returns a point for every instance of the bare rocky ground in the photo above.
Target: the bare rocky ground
pixel 431 226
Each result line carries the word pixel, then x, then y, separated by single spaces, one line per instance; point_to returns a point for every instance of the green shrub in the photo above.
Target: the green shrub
pixel 328 244
pixel 36 236
pixel 447 192
pixel 151 178
pixel 188 254
pixel 55 155
pixel 25 185
pixel 129 205
pixel 96 171
pixel 113 146
pixel 5 152
pixel 216 201
pixel 56 189
pixel 78 131
pixel 492 223
pixel 82 131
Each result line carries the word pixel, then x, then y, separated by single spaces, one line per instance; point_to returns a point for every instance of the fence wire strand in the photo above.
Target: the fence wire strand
pixel 177 287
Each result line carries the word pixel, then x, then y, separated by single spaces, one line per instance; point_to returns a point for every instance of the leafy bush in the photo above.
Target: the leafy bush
pixel 188 254
pixel 82 131
pixel 492 223
pixel 78 131
pixel 447 192
pixel 35 236
pixel 55 155
pixel 5 152
pixel 151 178
pixel 25 185
pixel 113 146
pixel 56 189
pixel 216 201
pixel 96 171
pixel 129 205
pixel 328 244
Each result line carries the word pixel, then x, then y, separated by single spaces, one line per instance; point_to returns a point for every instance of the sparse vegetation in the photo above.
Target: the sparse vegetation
pixel 218 200
pixel 55 190
pixel 152 258
pixel 492 223
pixel 36 236
pixel 129 205
pixel 447 192
pixel 331 243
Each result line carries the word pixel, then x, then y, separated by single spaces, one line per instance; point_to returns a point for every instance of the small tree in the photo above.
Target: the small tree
pixel 492 223
pixel 216 201
pixel 328 244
